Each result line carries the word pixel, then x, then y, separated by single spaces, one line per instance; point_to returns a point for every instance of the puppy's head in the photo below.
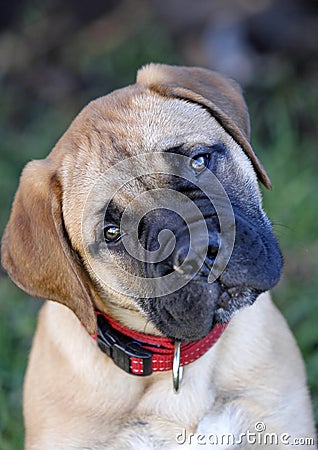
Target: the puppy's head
pixel 148 203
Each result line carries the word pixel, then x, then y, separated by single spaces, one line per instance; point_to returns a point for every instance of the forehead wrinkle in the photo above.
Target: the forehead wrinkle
pixel 168 124
pixel 143 123
pixel 149 122
pixel 131 190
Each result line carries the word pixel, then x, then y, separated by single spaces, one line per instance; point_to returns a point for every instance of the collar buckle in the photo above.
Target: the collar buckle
pixel 121 348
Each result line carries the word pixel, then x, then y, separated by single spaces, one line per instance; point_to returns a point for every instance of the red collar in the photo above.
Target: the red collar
pixel 142 354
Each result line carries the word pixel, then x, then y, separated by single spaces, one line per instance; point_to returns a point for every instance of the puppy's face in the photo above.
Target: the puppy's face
pixel 148 208
pixel 138 207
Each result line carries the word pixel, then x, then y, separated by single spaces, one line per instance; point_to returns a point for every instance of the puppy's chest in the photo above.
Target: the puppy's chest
pixel 162 419
pixel 154 432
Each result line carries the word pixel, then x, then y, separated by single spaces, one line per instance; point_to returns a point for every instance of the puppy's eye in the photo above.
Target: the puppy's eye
pixel 200 162
pixel 111 233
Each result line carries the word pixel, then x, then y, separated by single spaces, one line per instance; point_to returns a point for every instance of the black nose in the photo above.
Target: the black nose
pixel 190 261
pixel 187 261
pixel 213 248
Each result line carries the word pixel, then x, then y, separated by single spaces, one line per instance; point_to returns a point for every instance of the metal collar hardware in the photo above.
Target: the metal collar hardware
pixel 177 369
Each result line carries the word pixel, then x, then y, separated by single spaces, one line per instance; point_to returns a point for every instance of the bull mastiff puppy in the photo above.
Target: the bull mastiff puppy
pixel 144 229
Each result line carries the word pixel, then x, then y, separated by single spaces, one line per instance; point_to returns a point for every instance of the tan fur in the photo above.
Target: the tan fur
pixel 74 396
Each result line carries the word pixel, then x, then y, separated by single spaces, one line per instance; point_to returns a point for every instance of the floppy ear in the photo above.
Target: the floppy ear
pixel 220 96
pixel 36 251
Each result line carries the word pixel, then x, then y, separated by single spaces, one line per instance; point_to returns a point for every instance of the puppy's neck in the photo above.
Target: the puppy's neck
pixel 132 319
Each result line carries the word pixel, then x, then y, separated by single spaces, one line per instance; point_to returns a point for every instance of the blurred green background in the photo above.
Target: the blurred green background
pixel 57 55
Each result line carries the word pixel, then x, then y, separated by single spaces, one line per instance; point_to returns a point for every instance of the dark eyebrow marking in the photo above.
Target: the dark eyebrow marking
pixel 112 211
pixel 177 149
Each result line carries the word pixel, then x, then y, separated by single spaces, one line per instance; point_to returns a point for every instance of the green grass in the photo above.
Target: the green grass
pixel 18 317
pixel 285 137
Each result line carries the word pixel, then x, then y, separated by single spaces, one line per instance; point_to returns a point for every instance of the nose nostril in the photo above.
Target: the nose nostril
pixel 212 251
pixel 188 267
pixel 180 256
pixel 191 260
pixel 186 261
pixel 213 247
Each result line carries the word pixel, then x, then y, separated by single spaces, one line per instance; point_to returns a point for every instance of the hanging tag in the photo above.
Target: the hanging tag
pixel 177 369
